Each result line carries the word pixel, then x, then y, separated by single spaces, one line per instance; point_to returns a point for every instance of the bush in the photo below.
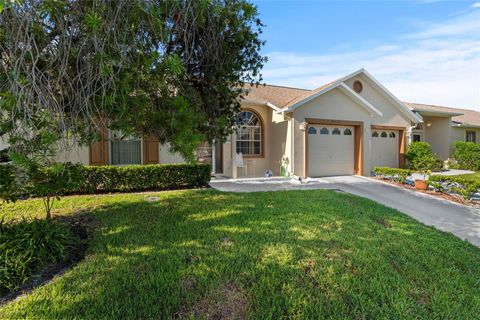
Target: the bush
pixel 8 187
pixel 65 179
pixel 144 177
pixel 467 155
pixel 421 158
pixel 463 185
pixel 26 247
pixel 395 174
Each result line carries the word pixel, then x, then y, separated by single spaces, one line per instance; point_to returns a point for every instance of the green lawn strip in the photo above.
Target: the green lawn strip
pixel 471 176
pixel 295 254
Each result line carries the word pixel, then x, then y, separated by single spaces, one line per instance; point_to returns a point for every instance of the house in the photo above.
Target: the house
pixel 348 126
pixel 345 127
pixel 442 126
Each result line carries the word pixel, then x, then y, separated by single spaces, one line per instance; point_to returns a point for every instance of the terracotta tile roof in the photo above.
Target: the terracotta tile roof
pixel 469 117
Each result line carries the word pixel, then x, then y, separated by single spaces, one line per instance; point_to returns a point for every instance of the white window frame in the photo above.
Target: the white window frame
pixel 417 133
pixel 250 133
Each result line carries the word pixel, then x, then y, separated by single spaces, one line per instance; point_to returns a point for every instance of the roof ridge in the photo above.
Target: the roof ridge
pixel 280 86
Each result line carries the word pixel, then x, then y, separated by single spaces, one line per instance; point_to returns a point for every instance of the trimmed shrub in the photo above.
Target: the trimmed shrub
pixel 74 179
pixel 395 174
pixel 421 158
pixel 144 177
pixel 464 185
pixel 467 155
pixel 26 247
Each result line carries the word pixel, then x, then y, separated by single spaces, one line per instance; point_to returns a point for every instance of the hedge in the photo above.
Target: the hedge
pixel 465 186
pixel 395 174
pixel 144 177
pixel 125 178
pixel 467 155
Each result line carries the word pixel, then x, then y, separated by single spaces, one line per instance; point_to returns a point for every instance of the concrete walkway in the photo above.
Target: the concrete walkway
pixel 463 221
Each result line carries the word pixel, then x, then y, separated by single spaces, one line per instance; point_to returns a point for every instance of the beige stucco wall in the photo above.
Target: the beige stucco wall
pixel 335 105
pixel 80 154
pixel 74 154
pixel 436 131
pixel 459 134
pixel 276 144
pixel 272 144
pixel 392 116
pixel 279 139
pixel 166 157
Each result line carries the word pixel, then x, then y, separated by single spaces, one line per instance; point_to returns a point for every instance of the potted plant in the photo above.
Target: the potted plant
pixel 421 160
pixel 422 184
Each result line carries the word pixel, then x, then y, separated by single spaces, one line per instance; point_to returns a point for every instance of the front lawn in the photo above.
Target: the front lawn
pixel 292 254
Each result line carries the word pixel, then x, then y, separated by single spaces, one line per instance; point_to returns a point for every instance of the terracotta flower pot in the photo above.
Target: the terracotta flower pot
pixel 421 184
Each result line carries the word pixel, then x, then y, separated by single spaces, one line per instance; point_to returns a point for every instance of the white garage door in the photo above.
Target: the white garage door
pixel 384 148
pixel 330 150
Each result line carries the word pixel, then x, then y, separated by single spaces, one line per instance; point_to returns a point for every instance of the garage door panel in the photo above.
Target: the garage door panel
pixel 330 150
pixel 384 148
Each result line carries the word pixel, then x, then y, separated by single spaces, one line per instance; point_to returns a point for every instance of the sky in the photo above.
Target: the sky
pixel 424 51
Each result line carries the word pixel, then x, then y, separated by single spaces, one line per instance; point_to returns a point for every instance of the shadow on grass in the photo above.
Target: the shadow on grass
pixel 308 254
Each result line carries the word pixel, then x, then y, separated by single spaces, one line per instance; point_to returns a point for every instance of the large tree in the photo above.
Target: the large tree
pixel 169 69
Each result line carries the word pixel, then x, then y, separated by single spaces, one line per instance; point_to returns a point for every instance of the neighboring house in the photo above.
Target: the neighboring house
pixel 442 126
pixel 348 126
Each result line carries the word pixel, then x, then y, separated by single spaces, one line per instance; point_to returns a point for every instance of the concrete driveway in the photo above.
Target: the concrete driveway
pixel 463 221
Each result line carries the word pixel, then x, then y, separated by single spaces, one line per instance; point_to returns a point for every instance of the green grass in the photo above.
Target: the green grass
pixel 292 254
pixel 471 176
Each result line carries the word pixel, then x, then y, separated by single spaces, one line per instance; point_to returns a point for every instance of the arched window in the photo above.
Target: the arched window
pixel 249 134
pixel 312 130
pixel 392 135
pixel 375 134
pixel 336 132
pixel 347 132
pixel 384 134
pixel 324 131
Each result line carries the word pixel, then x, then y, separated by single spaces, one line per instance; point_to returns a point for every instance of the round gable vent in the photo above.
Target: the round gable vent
pixel 357 86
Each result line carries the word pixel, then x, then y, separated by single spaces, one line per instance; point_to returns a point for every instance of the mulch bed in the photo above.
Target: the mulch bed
pixel 455 198
pixel 81 225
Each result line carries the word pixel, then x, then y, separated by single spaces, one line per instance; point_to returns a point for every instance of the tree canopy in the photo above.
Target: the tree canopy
pixel 169 69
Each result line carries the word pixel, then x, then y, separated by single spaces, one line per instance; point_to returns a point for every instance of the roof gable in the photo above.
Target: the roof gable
pixel 324 89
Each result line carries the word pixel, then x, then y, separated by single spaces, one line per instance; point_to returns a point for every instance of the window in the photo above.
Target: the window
pixel 470 136
pixel 384 134
pixel 249 134
pixel 392 135
pixel 125 149
pixel 324 131
pixel 312 130
pixel 347 132
pixel 417 137
pixel 375 134
pixel 336 132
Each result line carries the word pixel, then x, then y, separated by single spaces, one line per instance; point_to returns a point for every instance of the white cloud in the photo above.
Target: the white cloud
pixel 439 64
pixel 476 5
